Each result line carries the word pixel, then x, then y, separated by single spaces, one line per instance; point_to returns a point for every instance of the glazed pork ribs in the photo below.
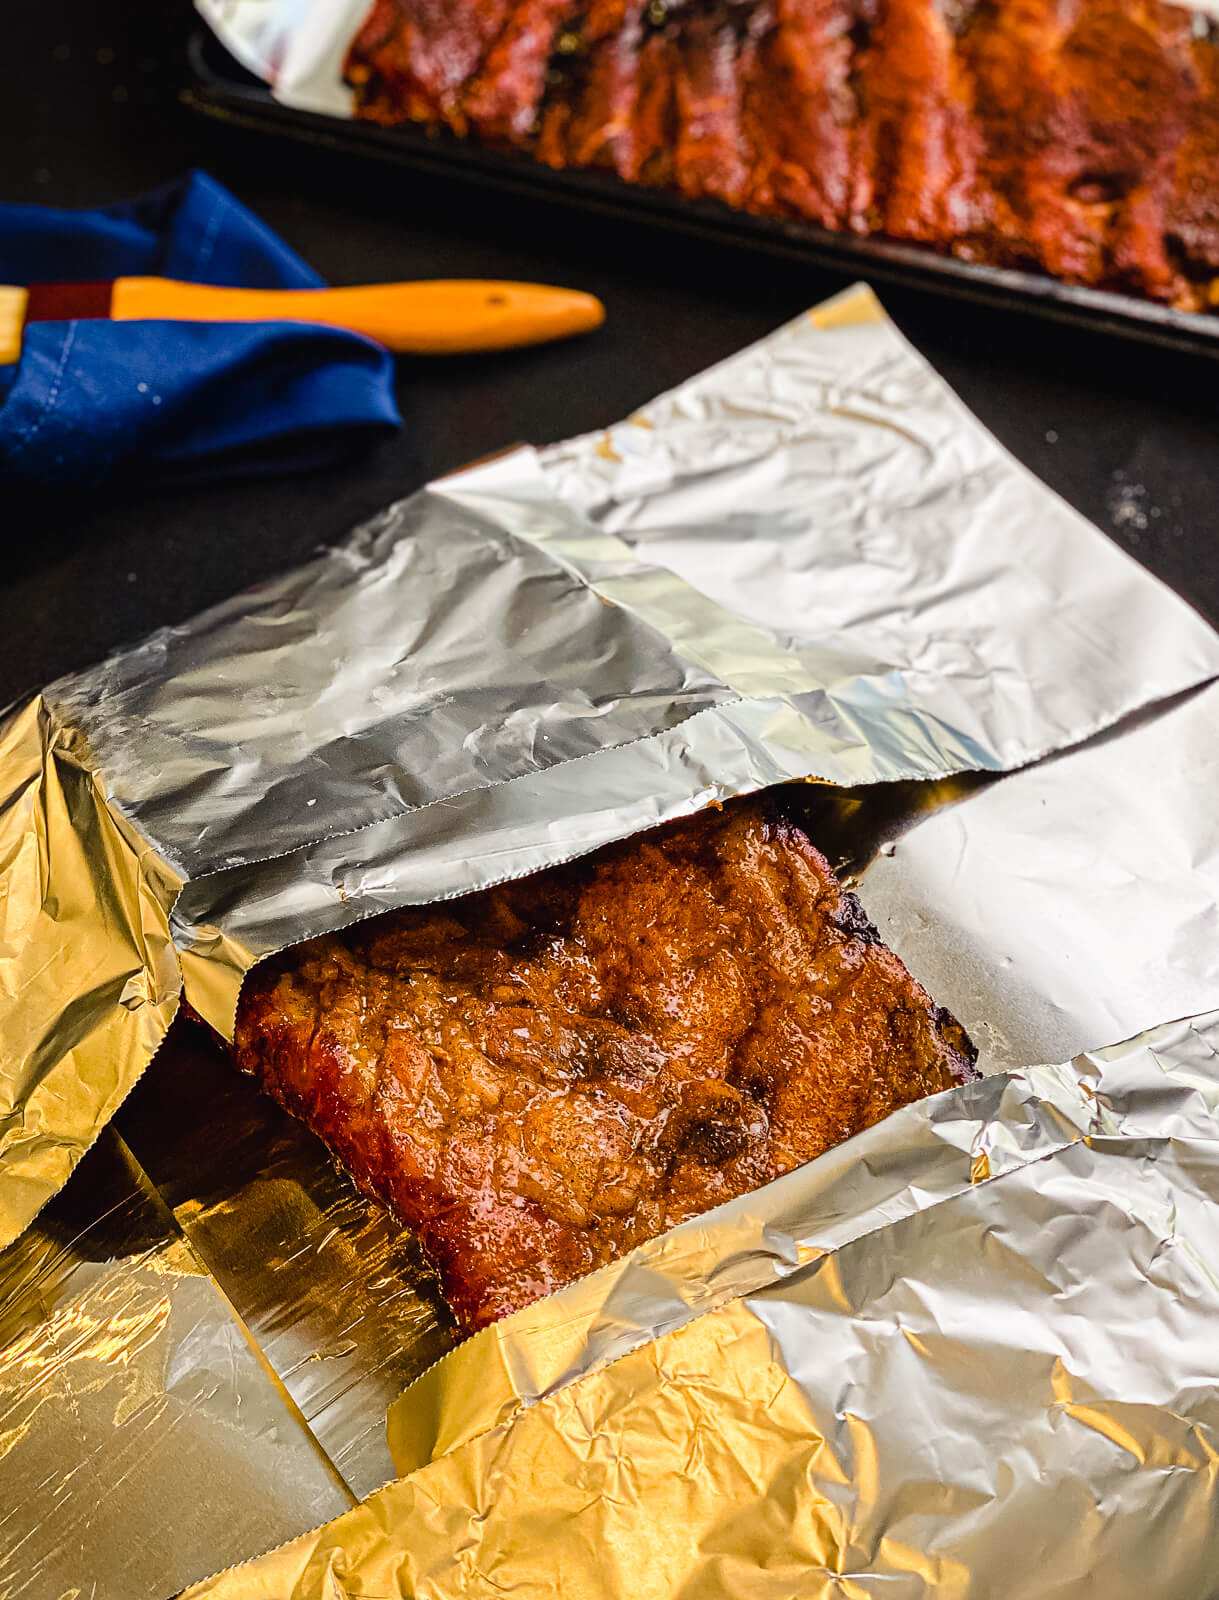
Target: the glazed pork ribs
pixel 1078 138
pixel 540 1076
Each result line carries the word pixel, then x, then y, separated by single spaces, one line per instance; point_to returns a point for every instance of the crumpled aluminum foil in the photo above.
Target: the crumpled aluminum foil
pixel 132 1400
pixel 540 655
pixel 970 1352
pixel 89 979
pixel 809 562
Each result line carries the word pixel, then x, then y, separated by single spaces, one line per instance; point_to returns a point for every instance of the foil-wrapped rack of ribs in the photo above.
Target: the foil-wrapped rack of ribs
pixel 1076 138
pixel 538 1077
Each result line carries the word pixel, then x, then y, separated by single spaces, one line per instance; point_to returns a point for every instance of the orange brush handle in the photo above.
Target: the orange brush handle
pixel 437 317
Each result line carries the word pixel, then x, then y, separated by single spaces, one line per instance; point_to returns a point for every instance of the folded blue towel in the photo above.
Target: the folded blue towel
pixel 175 401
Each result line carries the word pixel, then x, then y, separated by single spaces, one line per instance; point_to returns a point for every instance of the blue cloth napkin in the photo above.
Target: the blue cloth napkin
pixel 160 402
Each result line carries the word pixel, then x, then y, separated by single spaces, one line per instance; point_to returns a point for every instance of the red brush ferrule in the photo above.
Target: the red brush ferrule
pixel 61 302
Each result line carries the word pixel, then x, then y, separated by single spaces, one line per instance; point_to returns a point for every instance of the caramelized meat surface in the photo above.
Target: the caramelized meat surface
pixel 1074 137
pixel 538 1077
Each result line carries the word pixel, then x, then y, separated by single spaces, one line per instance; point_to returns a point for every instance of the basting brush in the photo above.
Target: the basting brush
pixel 440 316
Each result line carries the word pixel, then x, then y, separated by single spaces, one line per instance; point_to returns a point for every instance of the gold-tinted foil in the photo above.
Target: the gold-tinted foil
pixel 993 1384
pixel 88 976
pixel 141 1431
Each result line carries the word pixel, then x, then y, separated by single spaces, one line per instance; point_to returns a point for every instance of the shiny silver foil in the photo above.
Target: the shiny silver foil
pixel 1072 902
pixel 809 563
pixel 1156 1089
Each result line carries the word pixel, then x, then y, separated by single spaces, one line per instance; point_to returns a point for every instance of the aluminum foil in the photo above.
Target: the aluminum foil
pixel 88 976
pixel 297 46
pixel 1072 902
pixel 811 562
pixel 526 661
pixel 969 1353
pixel 140 1429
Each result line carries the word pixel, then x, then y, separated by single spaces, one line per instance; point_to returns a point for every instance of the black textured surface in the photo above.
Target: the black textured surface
pixel 91 114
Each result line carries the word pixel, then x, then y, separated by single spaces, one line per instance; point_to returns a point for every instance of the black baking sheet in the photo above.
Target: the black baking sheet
pixel 219 87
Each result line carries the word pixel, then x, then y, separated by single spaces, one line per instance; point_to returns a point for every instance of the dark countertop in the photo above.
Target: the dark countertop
pixel 1125 432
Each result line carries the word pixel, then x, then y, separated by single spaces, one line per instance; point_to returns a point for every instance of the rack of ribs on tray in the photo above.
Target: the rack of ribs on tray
pixel 1078 138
